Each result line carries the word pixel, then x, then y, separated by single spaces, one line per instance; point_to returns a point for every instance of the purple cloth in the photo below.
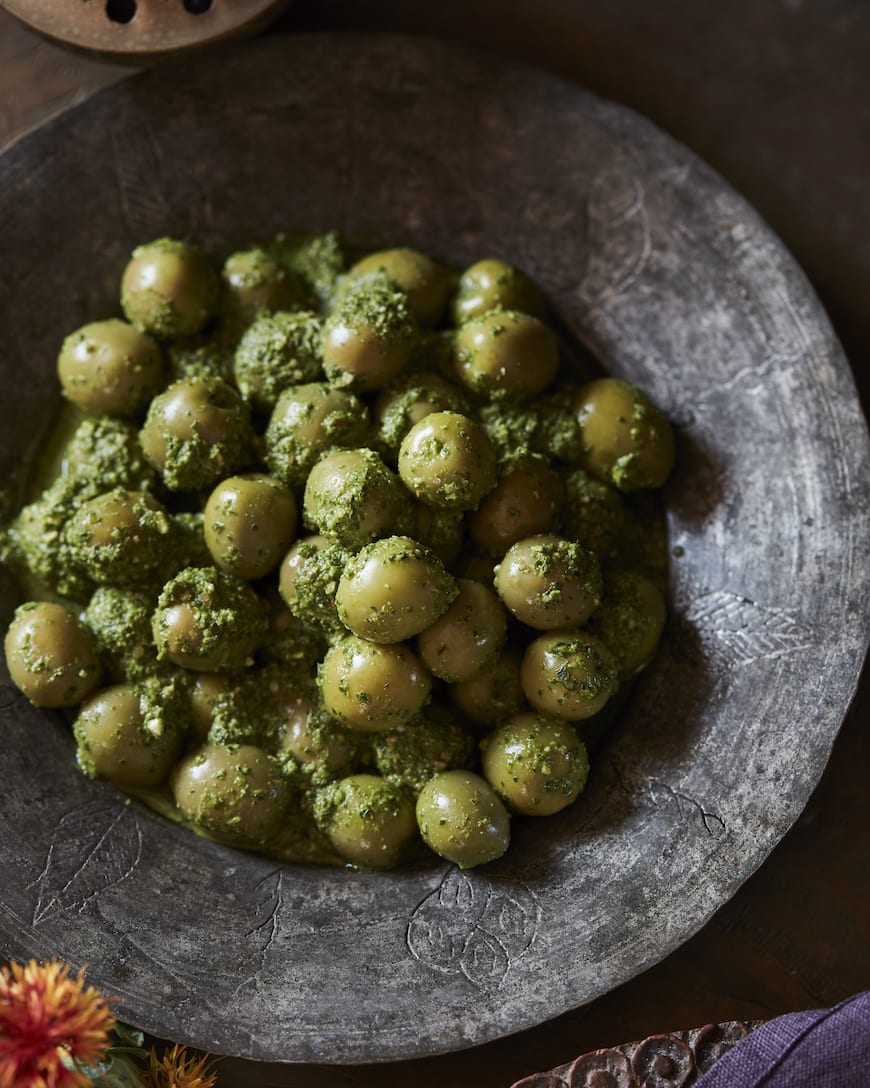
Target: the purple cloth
pixel 825 1048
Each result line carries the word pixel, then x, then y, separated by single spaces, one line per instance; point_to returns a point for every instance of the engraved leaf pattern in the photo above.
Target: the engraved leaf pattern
pixel 466 926
pixel 94 846
pixel 743 630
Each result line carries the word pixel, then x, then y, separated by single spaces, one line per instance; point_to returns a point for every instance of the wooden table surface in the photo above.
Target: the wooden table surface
pixel 776 95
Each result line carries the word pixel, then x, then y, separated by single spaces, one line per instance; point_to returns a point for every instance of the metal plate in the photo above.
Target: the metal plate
pixel 650 259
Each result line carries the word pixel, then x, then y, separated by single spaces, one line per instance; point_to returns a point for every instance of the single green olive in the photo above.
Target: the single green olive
pixel 352 496
pixel 527 500
pixel 492 284
pixel 392 590
pixel 307 421
pixel 432 742
pixel 409 399
pixel 319 745
pixel 169 289
pixel 493 692
pixel 235 792
pixel 594 514
pixel 446 460
pixel 424 283
pixel 51 657
pixel 206 691
pixel 370 687
pixel 110 367
pixel 568 674
pixel 254 281
pixel 630 620
pixel 461 819
pixel 121 538
pixel 208 620
pixel 548 582
pixel 469 635
pixel 627 440
pixel 250 521
pixel 308 580
pixel 129 735
pixel 506 354
pixel 369 338
pixel 536 764
pixel 196 431
pixel 368 820
pixel 120 621
pixel 278 351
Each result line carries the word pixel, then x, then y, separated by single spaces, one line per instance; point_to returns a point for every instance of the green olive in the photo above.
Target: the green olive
pixel 493 692
pixel 254 281
pixel 126 735
pixel 434 741
pixel 392 590
pixel 462 819
pixel 308 580
pixel 536 764
pixel 424 283
pixel 630 620
pixel 352 496
pixel 594 514
pixel 441 529
pixel 492 284
pixel 120 621
pixel 110 367
pixel 206 691
pixel 208 620
pixel 410 398
pixel 235 792
pixel 250 522
pixel 369 338
pixel 370 687
pixel 121 538
pixel 323 748
pixel 51 657
pixel 169 289
pixel 307 421
pixel 467 637
pixel 195 432
pixel 527 500
pixel 568 674
pixel 447 461
pixel 506 354
pixel 627 441
pixel 278 351
pixel 368 820
pixel 548 582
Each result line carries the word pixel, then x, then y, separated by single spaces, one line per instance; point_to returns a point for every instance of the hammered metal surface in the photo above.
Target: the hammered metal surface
pixel 648 258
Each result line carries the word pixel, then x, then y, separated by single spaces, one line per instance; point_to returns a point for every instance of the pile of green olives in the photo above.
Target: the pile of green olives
pixel 343 556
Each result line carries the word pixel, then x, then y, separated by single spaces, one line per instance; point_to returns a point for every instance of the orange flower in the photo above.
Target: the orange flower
pixel 43 1013
pixel 175 1068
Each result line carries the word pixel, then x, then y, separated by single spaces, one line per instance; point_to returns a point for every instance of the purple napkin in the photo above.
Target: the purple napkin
pixel 825 1048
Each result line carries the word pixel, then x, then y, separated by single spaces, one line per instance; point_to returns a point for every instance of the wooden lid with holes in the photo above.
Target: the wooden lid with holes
pixel 142 31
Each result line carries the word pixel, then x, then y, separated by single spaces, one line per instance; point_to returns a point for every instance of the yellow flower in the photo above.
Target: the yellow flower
pixel 175 1068
pixel 45 1013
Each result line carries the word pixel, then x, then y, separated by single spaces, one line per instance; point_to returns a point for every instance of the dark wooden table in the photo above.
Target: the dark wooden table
pixel 776 95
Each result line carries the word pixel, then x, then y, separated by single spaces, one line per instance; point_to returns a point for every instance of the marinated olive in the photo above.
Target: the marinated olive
pixel 370 687
pixel 424 283
pixel 467 637
pixel 169 289
pixel 255 281
pixel 205 692
pixel 110 367
pixel 430 743
pixel 393 589
pixel 321 747
pixel 51 657
pixel 627 440
pixel 106 451
pixel 548 582
pixel 493 692
pixel 369 338
pixel 368 820
pixel 506 354
pixel 121 538
pixel 250 522
pixel 130 734
pixel 278 351
pixel 309 578
pixel 526 501
pixel 120 621
pixel 307 421
pixel 630 620
pixel 594 515
pixel 352 496
pixel 410 398
pixel 568 674
pixel 195 433
pixel 536 764
pixel 208 621
pixel 492 284
pixel 462 819
pixel 234 792
pixel 447 460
